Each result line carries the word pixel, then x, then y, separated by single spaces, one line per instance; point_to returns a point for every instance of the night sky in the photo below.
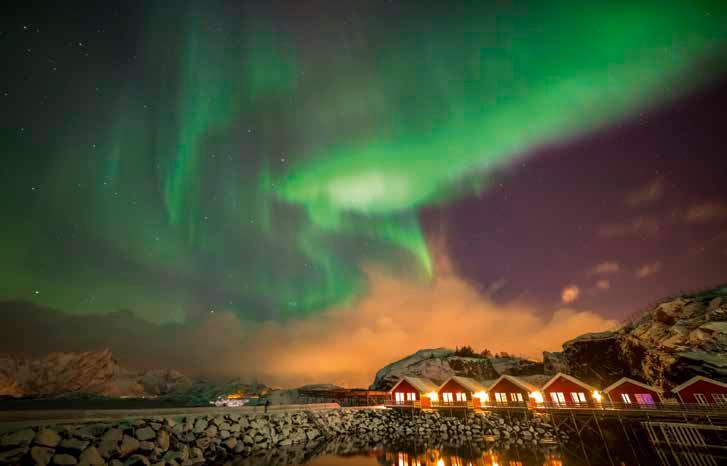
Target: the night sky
pixel 249 181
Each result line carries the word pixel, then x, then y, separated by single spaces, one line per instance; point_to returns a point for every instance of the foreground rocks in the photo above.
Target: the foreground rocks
pixel 197 439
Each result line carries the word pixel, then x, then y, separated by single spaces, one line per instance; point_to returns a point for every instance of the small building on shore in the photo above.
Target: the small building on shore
pixel 509 390
pixel 458 391
pixel 702 391
pixel 566 390
pixel 632 393
pixel 410 391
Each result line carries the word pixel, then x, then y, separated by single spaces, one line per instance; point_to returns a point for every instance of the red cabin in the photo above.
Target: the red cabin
pixel 410 390
pixel 459 390
pixel 703 391
pixel 566 390
pixel 509 390
pixel 633 393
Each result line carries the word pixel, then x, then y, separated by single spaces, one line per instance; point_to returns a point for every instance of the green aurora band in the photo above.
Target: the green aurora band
pixel 259 170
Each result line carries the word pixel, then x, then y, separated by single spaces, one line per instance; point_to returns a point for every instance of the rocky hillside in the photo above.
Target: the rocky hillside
pixel 98 373
pixel 671 342
pixel 441 363
pixel 93 372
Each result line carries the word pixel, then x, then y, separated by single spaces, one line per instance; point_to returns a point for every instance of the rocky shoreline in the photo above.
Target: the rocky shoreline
pixel 189 440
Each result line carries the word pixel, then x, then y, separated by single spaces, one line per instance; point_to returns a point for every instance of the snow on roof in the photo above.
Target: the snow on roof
pixel 421 384
pixel 697 378
pixel 528 387
pixel 623 380
pixel 470 384
pixel 568 377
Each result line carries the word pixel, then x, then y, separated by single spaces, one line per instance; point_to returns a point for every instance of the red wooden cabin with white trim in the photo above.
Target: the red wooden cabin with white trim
pixel 565 390
pixel 458 391
pixel 703 391
pixel 508 390
pixel 410 390
pixel 632 393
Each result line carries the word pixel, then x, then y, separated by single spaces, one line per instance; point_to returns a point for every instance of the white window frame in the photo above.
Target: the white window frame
pixel 501 397
pixel 447 397
pixel 701 399
pixel 459 396
pixel 520 397
pixel 626 398
pixel 410 396
pixel 558 397
pixel 720 398
pixel 399 397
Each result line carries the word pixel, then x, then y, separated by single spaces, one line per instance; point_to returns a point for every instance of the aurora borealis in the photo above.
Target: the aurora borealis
pixel 183 158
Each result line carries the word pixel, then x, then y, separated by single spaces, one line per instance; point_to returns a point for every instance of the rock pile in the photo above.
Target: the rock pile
pixel 196 439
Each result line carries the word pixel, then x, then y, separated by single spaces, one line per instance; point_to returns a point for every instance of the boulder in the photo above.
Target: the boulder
pixel 74 444
pixel 90 457
pixel 41 456
pixel 128 446
pixel 18 438
pixel 64 459
pixel 163 440
pixel 47 438
pixel 145 433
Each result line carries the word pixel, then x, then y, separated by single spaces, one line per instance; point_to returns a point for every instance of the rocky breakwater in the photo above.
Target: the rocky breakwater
pixel 197 439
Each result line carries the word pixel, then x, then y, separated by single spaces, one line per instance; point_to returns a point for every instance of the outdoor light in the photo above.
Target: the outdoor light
pixel 483 396
pixel 597 396
pixel 537 396
pixel 433 396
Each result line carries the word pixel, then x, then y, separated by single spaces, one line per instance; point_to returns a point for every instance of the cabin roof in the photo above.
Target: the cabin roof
pixel 567 377
pixel 466 382
pixel 420 383
pixel 528 387
pixel 623 380
pixel 697 378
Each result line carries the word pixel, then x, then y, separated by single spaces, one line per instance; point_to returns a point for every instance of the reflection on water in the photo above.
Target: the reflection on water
pixel 612 449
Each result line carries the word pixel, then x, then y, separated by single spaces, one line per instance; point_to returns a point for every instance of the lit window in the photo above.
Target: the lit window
pixel 582 397
pixel 701 399
pixel 644 399
pixel 410 396
pixel 720 398
pixel 557 397
pixel 626 398
pixel 520 397
pixel 461 396
pixel 501 397
pixel 513 396
pixel 447 397
pixel 399 397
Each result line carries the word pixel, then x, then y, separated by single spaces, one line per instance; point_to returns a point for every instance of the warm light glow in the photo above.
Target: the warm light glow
pixel 597 396
pixel 537 396
pixel 440 462
pixel 483 396
pixel 433 396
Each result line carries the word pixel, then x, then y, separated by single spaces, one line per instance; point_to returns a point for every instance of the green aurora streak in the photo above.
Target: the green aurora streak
pixel 277 169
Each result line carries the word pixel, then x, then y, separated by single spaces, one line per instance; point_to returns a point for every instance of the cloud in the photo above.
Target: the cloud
pixel 706 212
pixel 638 227
pixel 646 195
pixel 647 270
pixel 603 284
pixel 605 268
pixel 341 345
pixel 570 293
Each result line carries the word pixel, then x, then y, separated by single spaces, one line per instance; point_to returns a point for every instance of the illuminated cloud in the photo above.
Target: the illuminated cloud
pixel 605 268
pixel 705 213
pixel 647 270
pixel 638 227
pixel 603 284
pixel 647 195
pixel 570 293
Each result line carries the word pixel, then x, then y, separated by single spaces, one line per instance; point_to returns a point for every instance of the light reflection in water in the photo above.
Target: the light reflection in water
pixel 435 457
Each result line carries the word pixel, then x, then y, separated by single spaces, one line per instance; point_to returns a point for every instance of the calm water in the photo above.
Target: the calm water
pixel 611 450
